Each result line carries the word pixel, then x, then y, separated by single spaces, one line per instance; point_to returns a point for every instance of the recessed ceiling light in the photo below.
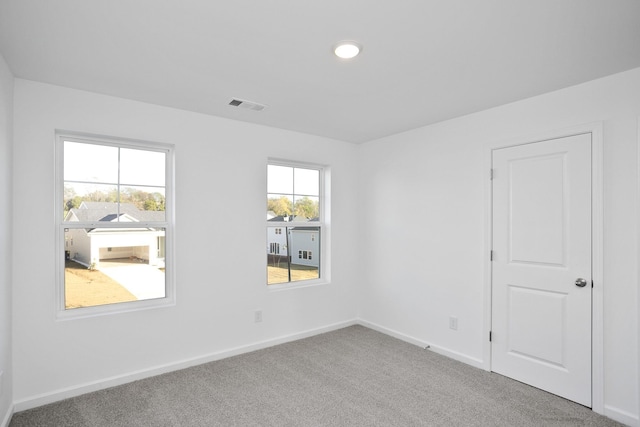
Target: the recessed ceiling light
pixel 347 49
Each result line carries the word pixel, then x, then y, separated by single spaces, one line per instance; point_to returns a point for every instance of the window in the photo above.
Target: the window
pixel 114 218
pixel 295 216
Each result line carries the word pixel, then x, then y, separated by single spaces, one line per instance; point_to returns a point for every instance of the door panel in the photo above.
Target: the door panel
pixel 541 321
pixel 537 203
pixel 543 339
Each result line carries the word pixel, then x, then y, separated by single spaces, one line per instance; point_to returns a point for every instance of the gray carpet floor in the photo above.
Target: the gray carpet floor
pixel 350 377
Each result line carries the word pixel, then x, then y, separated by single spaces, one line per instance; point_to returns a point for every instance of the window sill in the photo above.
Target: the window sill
pixel 123 307
pixel 297 285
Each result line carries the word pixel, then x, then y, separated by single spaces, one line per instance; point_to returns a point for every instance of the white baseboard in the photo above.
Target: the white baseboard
pixel 609 411
pixel 57 395
pixel 478 363
pixel 621 416
pixel 7 417
pixel 61 394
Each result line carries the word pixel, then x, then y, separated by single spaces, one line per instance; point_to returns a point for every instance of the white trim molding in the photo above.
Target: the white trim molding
pixel 621 416
pixel 7 418
pixel 637 210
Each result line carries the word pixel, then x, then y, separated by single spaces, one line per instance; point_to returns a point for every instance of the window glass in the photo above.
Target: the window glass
pixel 129 180
pixel 90 163
pixel 293 192
pixel 114 225
pixel 282 268
pixel 142 168
pixel 307 182
pixel 280 179
pixel 294 221
pixel 106 266
pixel 306 207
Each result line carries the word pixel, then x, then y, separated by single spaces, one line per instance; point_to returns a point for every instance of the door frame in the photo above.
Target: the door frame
pixel 597 261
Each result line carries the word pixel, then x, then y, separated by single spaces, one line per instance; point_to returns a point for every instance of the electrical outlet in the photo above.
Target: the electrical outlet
pixel 453 323
pixel 257 316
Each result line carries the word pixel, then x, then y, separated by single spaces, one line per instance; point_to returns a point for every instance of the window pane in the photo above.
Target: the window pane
pixel 94 202
pixel 277 255
pixel 279 179
pixel 80 198
pixel 306 182
pixel 90 163
pixel 302 239
pixel 142 167
pixel 108 266
pixel 306 207
pixel 293 197
pixel 279 207
pixel 142 203
pixel 291 254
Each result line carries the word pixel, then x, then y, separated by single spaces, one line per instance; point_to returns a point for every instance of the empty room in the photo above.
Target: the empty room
pixel 287 213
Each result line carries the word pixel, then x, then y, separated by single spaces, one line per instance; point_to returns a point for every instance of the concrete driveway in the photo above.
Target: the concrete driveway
pixel 142 280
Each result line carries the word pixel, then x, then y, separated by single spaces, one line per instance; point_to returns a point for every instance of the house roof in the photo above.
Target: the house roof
pixel 106 211
pixel 292 221
pixel 291 218
pixel 307 228
pixel 280 218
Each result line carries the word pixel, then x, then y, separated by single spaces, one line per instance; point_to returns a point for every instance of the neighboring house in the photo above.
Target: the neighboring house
pixel 303 242
pixel 93 245
pixel 277 240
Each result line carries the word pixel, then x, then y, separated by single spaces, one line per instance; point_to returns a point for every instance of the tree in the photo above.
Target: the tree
pixel 69 192
pixel 150 204
pixel 72 203
pixel 141 199
pixel 71 199
pixel 307 208
pixel 281 206
pixel 160 201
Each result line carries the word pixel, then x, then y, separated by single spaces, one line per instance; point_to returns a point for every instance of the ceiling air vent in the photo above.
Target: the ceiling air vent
pixel 247 104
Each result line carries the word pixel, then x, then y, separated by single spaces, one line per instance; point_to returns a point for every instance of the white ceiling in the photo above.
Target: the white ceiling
pixel 423 61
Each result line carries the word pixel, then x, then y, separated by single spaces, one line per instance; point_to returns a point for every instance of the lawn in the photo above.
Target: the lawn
pixel 87 288
pixel 298 272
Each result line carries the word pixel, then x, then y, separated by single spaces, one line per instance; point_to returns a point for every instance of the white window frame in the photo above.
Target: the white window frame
pixel 61 313
pixel 324 225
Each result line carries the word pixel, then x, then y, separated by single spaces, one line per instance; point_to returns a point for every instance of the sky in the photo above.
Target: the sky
pixel 101 164
pixel 289 181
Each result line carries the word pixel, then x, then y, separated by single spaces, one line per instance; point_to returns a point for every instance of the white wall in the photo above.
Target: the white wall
pixel 418 226
pixel 220 189
pixel 422 237
pixel 6 122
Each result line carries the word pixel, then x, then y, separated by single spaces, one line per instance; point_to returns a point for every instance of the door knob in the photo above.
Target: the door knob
pixel 581 283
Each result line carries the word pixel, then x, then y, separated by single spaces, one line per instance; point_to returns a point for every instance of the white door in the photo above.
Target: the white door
pixel 541 269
